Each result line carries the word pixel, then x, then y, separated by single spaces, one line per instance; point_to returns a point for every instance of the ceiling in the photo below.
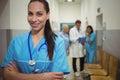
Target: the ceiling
pixel 75 1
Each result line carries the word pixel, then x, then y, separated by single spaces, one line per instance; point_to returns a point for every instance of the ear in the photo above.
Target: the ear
pixel 48 15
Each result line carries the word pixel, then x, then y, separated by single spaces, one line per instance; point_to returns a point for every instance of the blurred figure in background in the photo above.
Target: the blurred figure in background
pixel 65 36
pixel 90 44
pixel 76 48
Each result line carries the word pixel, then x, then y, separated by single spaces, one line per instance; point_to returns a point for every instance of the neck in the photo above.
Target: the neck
pixel 38 33
pixel 36 36
pixel 78 27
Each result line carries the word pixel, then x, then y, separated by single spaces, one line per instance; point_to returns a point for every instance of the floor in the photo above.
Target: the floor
pixel 71 76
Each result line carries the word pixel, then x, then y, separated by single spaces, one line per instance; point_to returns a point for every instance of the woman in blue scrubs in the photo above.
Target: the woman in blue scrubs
pixel 38 54
pixel 90 44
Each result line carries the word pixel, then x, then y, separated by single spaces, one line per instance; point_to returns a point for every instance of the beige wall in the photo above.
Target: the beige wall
pixel 69 12
pixel 4 14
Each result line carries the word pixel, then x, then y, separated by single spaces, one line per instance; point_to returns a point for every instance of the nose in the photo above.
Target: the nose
pixel 34 18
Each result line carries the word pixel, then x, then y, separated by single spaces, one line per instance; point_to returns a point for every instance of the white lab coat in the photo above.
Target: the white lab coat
pixel 76 49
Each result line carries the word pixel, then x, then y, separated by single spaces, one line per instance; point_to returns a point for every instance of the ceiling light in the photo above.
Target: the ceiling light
pixel 69 0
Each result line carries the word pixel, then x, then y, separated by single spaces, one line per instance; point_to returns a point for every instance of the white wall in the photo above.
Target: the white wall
pixel 18 14
pixel 109 8
pixel 4 14
pixel 69 12
pixel 54 14
pixel 88 13
pixel 13 14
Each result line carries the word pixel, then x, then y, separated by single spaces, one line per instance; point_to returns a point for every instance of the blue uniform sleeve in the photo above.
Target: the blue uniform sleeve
pixel 9 55
pixel 92 37
pixel 60 62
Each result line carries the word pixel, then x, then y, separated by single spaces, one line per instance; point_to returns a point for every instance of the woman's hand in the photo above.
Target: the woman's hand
pixel 87 34
pixel 53 76
pixel 83 43
pixel 12 67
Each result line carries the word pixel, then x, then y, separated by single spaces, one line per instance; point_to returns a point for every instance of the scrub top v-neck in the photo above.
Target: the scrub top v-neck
pixel 19 53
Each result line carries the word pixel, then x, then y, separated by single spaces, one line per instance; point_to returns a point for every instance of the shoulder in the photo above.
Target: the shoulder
pixel 59 45
pixel 73 28
pixel 20 38
pixel 60 33
pixel 93 34
pixel 58 40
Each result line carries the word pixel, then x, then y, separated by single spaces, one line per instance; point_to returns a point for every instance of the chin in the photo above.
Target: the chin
pixel 37 29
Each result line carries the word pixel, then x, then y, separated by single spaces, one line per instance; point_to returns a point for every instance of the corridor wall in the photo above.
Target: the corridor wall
pixel 110 40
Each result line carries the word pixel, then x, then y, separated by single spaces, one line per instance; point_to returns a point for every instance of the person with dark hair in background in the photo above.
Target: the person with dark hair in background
pixel 90 44
pixel 76 48
pixel 38 54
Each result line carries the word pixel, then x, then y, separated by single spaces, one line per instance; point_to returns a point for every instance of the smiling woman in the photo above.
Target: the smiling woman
pixel 39 54
pixel 37 16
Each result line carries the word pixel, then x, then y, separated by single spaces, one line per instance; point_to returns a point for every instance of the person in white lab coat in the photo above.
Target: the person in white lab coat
pixel 76 48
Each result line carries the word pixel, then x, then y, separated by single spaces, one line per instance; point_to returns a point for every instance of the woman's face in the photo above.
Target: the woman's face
pixel 37 16
pixel 65 29
pixel 88 30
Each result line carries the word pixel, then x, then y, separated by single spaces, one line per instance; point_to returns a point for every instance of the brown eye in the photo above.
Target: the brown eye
pixel 30 13
pixel 39 14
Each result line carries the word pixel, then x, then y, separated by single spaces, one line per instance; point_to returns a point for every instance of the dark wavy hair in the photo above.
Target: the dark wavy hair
pixel 89 26
pixel 49 34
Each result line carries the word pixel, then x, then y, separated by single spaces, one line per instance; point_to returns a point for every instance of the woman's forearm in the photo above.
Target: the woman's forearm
pixel 10 75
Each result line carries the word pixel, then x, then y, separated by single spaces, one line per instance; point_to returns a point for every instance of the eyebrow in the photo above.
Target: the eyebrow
pixel 36 11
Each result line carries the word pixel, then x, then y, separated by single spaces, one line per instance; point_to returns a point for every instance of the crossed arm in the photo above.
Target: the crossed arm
pixel 11 72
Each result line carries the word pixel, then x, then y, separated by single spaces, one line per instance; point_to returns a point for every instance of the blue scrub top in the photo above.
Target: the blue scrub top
pixel 65 38
pixel 18 51
pixel 91 47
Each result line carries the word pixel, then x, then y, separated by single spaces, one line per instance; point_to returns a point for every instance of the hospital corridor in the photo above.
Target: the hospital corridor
pixel 64 39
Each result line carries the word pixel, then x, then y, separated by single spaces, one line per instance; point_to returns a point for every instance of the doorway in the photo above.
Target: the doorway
pixel 99 31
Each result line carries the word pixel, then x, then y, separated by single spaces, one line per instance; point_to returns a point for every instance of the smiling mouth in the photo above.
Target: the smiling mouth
pixel 34 25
